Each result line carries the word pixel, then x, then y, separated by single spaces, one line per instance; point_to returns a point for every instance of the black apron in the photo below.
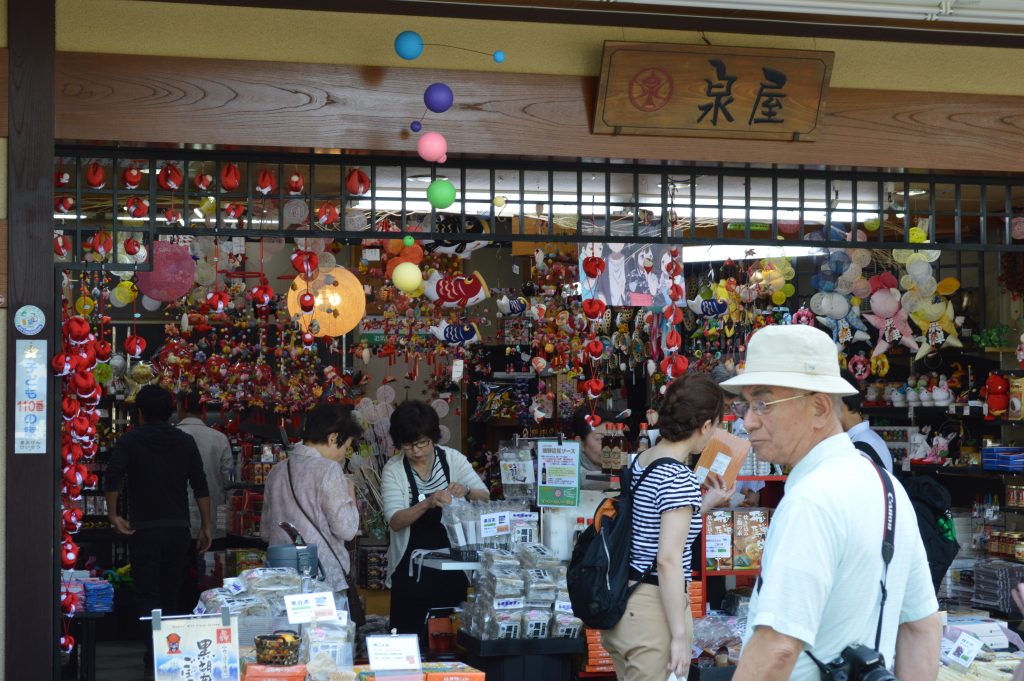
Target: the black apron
pixel 411 600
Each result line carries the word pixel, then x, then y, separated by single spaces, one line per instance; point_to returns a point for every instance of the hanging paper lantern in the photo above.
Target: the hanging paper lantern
pixel 203 181
pixel 172 274
pixel 135 346
pixel 63 204
pixel 266 183
pixel 357 182
pixel 230 177
pixel 169 177
pixel 327 214
pixel 131 177
pixel 295 184
pixel 340 301
pixel 95 176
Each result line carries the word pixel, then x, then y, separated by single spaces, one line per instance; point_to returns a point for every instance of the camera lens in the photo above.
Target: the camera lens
pixel 876 673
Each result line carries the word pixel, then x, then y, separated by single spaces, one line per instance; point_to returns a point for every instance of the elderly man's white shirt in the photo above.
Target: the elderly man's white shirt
pixel 822 564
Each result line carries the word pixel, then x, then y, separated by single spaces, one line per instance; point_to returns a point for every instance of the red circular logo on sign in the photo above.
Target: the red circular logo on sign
pixel 650 89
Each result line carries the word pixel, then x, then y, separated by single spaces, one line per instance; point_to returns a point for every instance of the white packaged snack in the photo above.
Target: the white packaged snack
pixel 505 624
pixel 271 578
pixel 565 625
pixel 535 622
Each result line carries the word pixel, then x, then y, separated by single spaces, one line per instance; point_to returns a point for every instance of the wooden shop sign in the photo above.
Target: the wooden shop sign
pixel 704 91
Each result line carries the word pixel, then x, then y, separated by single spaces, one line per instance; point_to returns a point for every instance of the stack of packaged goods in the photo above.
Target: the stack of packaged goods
pixel 99 595
pixel 598 660
pixel 696 592
pixel 520 594
pixel 994 580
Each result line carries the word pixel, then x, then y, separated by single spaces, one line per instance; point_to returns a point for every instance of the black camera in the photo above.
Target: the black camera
pixel 856 663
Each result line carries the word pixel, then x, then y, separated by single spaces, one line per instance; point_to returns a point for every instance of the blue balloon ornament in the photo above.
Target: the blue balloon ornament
pixel 415 126
pixel 438 97
pixel 499 56
pixel 409 45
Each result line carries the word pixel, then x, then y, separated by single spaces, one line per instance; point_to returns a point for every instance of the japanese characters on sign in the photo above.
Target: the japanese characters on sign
pixel 30 404
pixel 704 91
pixel 196 649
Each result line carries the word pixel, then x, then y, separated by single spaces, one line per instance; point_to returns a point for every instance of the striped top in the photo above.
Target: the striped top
pixel 435 483
pixel 669 487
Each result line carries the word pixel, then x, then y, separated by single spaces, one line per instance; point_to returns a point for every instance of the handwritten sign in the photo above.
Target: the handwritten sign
pixel 196 648
pixel 393 653
pixel 30 403
pixel 705 91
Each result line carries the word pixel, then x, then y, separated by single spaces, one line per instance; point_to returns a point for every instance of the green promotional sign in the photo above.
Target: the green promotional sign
pixel 558 474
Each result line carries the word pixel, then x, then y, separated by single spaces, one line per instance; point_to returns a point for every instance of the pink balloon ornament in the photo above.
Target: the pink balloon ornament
pixel 172 275
pixel 432 147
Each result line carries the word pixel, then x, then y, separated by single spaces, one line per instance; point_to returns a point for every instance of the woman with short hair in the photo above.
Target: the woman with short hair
pixel 310 491
pixel 415 484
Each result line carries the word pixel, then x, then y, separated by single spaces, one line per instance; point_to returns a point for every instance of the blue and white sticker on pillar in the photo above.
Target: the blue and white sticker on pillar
pixel 29 320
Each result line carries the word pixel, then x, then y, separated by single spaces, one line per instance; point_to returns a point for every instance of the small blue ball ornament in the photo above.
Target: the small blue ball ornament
pixel 499 56
pixel 409 45
pixel 438 97
pixel 415 126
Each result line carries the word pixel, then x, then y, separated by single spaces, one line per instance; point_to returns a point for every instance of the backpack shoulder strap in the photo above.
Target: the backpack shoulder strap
pixel 647 471
pixel 871 453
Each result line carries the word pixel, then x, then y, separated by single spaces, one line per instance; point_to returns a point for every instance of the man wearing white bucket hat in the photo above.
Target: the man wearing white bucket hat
pixel 822 577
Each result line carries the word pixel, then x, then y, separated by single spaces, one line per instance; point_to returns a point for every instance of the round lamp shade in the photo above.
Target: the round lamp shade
pixel 340 301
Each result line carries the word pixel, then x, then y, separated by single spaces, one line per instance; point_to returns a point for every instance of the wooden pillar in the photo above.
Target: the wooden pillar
pixel 31 579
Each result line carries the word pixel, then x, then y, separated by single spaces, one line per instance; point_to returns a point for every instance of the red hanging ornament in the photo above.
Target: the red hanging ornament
pixel 295 184
pixel 137 207
pixel 77 330
pixel 593 420
pixel 266 183
pixel 675 292
pixel 203 182
pixel 72 453
pixel 595 349
pixel 594 387
pixel 230 177
pixel 594 309
pixel 95 176
pixel 72 520
pixel 305 263
pixel 101 244
pixel 170 177
pixel 673 269
pixel 674 366
pixel 131 177
pixel 308 340
pixel 61 178
pixel 262 295
pixel 172 216
pixel 69 406
pixel 307 302
pixel 63 204
pixel 235 211
pixel 357 182
pixel 593 267
pixel 218 300
pixel 673 314
pixel 327 214
pixel 68 558
pixel 69 604
pixel 132 246
pixel 61 245
pixel 67 643
pixel 135 346
pixel 673 341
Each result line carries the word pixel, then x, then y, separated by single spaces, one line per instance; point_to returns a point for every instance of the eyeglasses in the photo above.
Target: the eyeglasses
pixel 421 445
pixel 760 407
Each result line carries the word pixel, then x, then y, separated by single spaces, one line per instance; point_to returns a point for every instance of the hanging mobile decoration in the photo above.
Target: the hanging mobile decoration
pixel 169 177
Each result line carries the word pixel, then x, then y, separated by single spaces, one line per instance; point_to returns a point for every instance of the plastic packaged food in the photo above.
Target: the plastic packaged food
pixel 271 578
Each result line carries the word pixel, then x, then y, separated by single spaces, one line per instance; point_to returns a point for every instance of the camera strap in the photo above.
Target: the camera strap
pixel 888 549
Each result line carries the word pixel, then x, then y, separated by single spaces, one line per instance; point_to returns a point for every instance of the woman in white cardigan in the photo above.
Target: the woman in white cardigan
pixel 415 484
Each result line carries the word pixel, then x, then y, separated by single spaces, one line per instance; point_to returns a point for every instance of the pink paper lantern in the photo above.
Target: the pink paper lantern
pixel 172 275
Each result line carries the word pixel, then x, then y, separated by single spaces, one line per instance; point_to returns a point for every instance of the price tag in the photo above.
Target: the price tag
pixel 515 269
pixel 564 606
pixel 495 524
pixel 508 603
pixel 303 608
pixel 458 369
pixel 718 546
pixel 526 516
pixel 394 653
pixel 964 650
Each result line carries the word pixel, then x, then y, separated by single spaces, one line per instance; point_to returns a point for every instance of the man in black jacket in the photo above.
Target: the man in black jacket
pixel 158 460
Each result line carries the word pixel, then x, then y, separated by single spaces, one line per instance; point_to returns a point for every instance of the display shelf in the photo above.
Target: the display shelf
pixel 761 478
pixel 732 573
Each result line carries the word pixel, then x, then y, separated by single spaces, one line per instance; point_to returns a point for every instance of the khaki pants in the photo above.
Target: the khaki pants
pixel 639 643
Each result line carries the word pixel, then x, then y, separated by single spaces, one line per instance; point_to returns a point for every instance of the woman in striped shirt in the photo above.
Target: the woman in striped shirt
pixel 655 634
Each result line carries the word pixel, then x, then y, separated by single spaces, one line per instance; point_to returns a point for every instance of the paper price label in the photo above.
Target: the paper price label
pixel 718 546
pixel 964 650
pixel 563 606
pixel 526 516
pixel 508 603
pixel 458 369
pixel 303 608
pixel 495 524
pixel 394 653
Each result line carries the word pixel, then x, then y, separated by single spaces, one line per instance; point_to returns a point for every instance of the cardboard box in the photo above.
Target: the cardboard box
pixel 750 528
pixel 432 671
pixel 718 540
pixel 724 454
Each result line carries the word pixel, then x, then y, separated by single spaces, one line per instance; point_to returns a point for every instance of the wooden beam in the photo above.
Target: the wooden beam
pixel 31 582
pixel 180 100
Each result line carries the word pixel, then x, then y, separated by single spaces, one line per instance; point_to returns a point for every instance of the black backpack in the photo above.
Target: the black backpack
pixel 935 521
pixel 598 574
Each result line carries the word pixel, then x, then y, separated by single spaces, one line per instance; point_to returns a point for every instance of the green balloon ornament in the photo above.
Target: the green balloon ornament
pixel 441 194
pixel 103 373
pixel 408 241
